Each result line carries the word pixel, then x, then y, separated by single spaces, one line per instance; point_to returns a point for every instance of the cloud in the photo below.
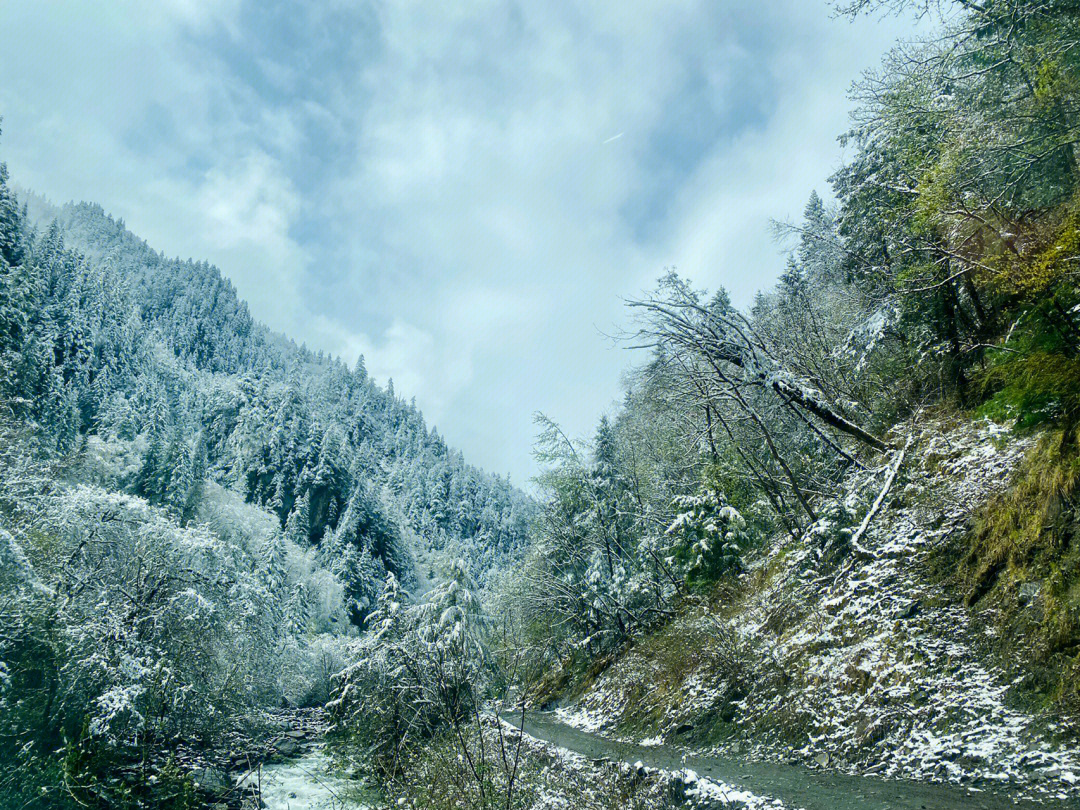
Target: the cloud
pixel 464 193
pixel 439 360
pixel 246 210
pixel 402 349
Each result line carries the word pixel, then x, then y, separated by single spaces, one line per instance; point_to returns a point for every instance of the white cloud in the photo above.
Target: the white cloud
pixel 196 14
pixel 246 209
pixel 428 183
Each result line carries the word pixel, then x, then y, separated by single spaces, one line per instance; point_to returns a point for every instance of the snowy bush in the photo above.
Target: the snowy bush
pixel 707 536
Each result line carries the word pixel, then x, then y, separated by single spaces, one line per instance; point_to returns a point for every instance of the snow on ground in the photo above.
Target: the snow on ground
pixel 581 717
pixel 706 790
pixel 882 674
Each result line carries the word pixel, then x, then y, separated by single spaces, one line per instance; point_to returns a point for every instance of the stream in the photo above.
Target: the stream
pixel 794 785
pixel 308 780
pixel 304 782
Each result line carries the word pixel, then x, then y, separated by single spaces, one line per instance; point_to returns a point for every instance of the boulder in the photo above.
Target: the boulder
pixel 212 780
pixel 1029 592
pixel 287 747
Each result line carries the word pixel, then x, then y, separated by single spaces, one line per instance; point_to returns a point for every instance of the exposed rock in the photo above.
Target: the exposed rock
pixel 1029 591
pixel 908 610
pixel 287 747
pixel 212 780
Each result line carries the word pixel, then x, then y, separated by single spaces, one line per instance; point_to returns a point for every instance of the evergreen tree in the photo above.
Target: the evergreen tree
pixel 298 526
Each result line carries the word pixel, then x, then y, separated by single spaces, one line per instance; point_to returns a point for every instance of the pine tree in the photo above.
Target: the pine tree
pixel 298 526
pixel 387 621
pixel 275 566
pixel 297 611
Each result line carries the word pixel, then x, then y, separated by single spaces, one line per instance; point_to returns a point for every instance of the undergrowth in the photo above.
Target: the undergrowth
pixel 530 776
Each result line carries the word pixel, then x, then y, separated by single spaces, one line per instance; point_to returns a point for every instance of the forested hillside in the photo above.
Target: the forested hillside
pixel 341 462
pixel 943 280
pixel 196 512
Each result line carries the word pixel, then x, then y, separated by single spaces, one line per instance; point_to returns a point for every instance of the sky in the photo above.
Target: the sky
pixel 464 193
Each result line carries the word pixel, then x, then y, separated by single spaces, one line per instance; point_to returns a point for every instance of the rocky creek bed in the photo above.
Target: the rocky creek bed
pixel 284 768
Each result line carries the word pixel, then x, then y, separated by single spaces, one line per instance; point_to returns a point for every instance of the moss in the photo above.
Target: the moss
pixel 1034 388
pixel 1053 261
pixel 1030 517
pixel 1020 567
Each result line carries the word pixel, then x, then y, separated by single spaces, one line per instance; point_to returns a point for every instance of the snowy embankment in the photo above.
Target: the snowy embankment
pixel 857 661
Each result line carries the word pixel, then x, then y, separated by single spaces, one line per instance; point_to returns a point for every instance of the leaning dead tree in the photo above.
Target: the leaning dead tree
pixel 737 379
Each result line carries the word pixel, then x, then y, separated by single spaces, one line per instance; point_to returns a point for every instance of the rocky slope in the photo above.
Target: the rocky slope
pixel 845 650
